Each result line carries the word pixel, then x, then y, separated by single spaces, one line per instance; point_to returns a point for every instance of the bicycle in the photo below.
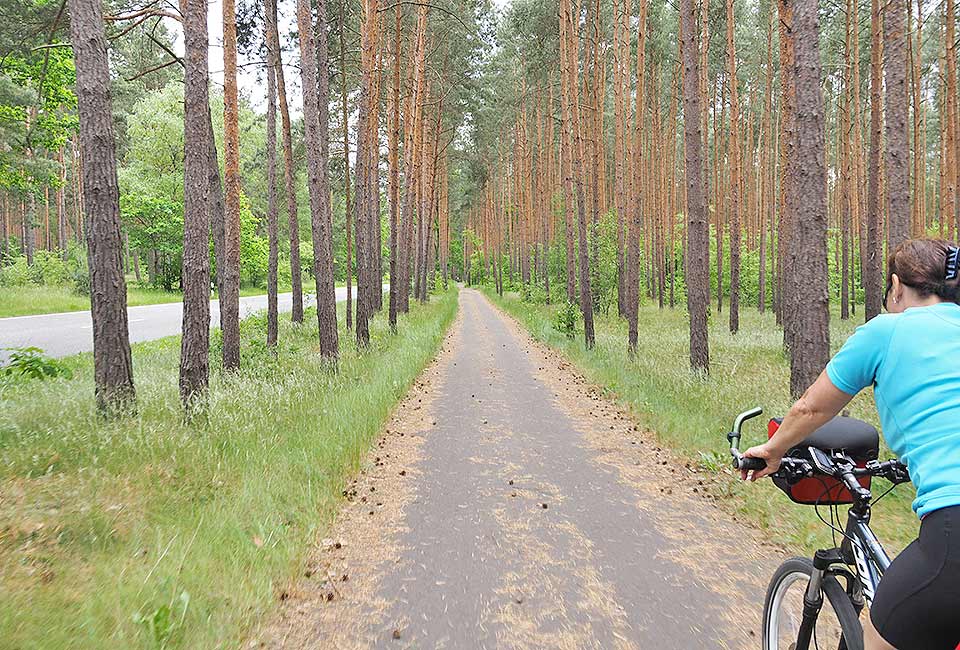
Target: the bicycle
pixel 832 467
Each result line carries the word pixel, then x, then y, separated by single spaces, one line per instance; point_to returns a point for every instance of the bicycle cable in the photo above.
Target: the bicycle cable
pixel 886 492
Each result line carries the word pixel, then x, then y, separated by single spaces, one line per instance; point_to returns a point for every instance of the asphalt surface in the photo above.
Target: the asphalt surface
pixel 586 566
pixel 60 335
pixel 533 517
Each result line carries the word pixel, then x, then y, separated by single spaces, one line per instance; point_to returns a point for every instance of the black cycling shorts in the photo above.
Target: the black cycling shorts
pixel 917 605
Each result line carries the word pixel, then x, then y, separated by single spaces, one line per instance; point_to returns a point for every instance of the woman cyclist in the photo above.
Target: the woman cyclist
pixel 911 357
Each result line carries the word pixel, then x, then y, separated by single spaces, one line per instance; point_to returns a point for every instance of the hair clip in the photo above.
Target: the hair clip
pixel 952 267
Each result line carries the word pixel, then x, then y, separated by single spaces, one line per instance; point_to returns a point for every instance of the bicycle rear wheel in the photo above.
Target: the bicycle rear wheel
pixel 837 626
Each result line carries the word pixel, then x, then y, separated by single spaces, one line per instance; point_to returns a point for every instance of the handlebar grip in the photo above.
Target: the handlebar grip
pixel 748 464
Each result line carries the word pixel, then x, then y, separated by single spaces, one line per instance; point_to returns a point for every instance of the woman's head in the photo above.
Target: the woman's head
pixel 920 272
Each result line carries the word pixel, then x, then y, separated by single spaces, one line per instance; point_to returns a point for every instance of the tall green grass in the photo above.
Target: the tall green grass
pixel 692 415
pixel 150 532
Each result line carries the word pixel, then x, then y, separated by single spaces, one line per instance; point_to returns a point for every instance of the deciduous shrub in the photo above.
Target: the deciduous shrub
pixel 30 363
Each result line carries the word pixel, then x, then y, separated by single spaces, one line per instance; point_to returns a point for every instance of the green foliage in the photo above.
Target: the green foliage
pixel 37 115
pixel 155 223
pixel 153 166
pixel 254 249
pixel 567 317
pixel 49 269
pixel 30 363
pixel 603 262
pixel 532 293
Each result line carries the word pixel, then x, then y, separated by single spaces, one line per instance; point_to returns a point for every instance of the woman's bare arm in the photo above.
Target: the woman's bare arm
pixel 818 405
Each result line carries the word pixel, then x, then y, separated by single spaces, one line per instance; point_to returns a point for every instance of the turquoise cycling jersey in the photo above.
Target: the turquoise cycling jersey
pixel 912 360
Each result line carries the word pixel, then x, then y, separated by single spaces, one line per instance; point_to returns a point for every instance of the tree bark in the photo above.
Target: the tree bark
pixel 61 208
pixel 293 224
pixel 566 155
pixel 873 251
pixel 897 158
pixel 948 132
pixel 215 204
pixel 393 137
pixel 346 165
pixel 195 341
pixel 366 184
pixel 810 348
pixel 621 101
pixel 574 124
pixel 698 230
pixel 636 189
pixel 735 198
pixel 273 57
pixel 230 298
pixel 112 363
pixel 315 75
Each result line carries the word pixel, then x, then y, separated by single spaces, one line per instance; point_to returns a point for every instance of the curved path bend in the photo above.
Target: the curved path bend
pixel 509 505
pixel 59 335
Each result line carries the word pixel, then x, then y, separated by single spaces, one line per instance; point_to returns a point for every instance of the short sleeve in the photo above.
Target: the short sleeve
pixel 855 365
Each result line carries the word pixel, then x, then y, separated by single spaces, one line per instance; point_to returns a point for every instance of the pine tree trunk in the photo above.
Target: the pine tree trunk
pixel 314 76
pixel 230 273
pixel 112 364
pixel 61 208
pixel 948 132
pixel 195 341
pixel 29 235
pixel 346 166
pixel 215 205
pixel 735 197
pixel 874 246
pixel 5 231
pixel 788 174
pixel 810 348
pixel 636 188
pixel 574 125
pixel 621 53
pixel 768 166
pixel 566 162
pixel 698 231
pixel 293 224
pixel 273 58
pixel 366 185
pixel 393 137
pixel 897 158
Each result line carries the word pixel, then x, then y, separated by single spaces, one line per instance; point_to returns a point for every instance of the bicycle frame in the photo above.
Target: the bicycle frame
pixel 860 559
pixel 861 548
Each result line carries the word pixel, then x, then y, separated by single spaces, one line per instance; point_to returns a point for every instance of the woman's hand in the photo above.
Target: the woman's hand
pixel 770 454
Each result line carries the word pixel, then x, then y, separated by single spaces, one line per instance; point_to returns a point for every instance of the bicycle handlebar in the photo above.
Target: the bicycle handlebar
pixel 750 463
pixel 837 465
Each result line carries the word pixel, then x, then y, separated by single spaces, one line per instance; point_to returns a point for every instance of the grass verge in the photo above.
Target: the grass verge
pixel 691 415
pixel 149 532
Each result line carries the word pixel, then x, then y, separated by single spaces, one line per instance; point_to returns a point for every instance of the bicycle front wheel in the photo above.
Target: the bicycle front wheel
pixel 837 627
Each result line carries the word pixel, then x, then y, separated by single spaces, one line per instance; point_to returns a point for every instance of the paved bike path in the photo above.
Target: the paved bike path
pixel 529 514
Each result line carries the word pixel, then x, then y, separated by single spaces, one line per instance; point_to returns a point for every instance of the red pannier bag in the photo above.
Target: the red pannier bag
pixel 853 437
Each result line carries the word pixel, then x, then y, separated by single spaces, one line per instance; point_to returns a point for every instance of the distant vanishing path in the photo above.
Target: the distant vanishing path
pixel 508 505
pixel 68 333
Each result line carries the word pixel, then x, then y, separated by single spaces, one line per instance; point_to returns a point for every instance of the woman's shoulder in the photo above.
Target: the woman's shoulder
pixel 880 324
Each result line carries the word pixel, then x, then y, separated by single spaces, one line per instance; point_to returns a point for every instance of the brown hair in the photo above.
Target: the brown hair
pixel 923 265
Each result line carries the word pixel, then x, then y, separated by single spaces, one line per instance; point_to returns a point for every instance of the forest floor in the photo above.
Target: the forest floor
pixel 509 504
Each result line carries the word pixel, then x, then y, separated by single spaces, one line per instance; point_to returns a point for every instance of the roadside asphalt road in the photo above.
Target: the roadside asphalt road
pixel 60 335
